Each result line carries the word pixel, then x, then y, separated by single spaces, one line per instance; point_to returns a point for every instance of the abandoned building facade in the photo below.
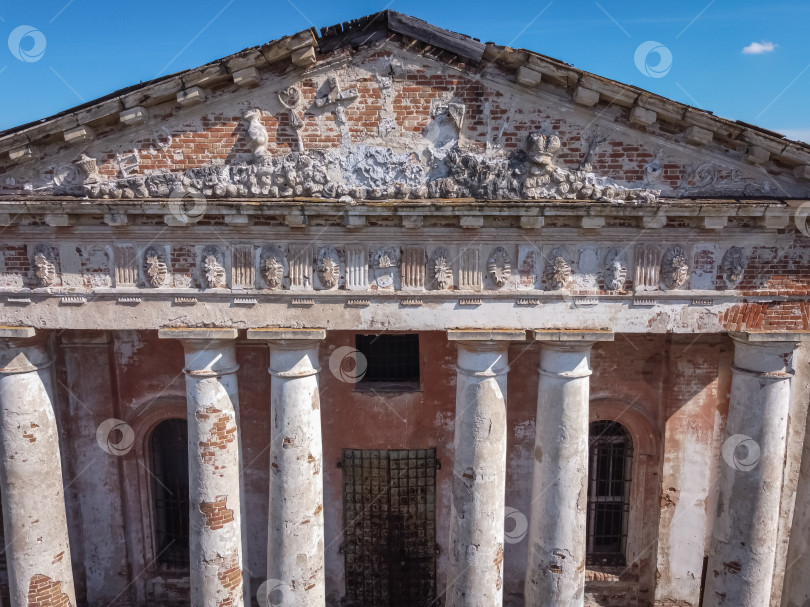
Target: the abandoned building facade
pixel 382 315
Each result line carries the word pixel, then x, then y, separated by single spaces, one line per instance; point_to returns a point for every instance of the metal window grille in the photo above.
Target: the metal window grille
pixel 390 358
pixel 169 452
pixel 609 477
pixel 389 514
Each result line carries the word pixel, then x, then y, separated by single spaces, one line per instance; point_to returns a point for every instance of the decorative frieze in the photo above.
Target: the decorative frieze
pixel 469 276
pixel 43 266
pixel 647 267
pixel 243 269
pixel 733 266
pixel 155 269
pixel 499 267
pixel 441 269
pixel 300 260
pixel 558 270
pixel 212 268
pixel 413 268
pixel 385 263
pixel 327 268
pixel 674 267
pixel 356 268
pixel 615 270
pixel 273 266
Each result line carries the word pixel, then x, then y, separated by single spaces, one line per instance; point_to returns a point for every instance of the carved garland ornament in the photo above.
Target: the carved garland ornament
pixel 271 266
pixel 154 267
pixel 499 266
pixel 44 267
pixel 363 172
pixel 674 267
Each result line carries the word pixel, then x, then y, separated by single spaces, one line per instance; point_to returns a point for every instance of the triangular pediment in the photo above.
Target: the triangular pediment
pixel 393 108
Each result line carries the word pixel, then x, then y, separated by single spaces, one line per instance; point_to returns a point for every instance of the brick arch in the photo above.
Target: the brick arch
pixel 645 491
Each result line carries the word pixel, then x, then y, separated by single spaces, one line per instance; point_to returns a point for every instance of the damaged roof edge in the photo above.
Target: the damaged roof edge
pixel 366 29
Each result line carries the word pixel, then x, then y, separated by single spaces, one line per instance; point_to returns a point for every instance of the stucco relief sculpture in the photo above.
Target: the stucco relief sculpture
pixel 43 266
pixel 155 269
pixel 733 266
pixel 385 262
pixel 615 270
pixel 441 268
pixel 364 172
pixel 499 266
pixel 674 267
pixel 213 268
pixel 558 270
pixel 328 267
pixel 271 266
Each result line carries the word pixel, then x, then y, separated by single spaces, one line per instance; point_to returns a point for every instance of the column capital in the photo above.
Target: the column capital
pixel 485 335
pixel 572 336
pixel 22 350
pixel 766 338
pixel 280 334
pixel 765 354
pixel 190 333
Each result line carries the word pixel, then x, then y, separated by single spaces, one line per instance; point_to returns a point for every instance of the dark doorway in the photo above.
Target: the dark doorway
pixel 389 515
pixel 169 459
pixel 609 466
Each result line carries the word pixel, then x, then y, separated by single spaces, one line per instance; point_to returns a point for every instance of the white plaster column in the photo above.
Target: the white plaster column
pixel 475 574
pixel 744 534
pixel 295 549
pixel 35 523
pixel 216 554
pixel 555 571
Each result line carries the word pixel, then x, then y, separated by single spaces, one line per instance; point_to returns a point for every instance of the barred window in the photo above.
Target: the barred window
pixel 169 455
pixel 391 359
pixel 610 465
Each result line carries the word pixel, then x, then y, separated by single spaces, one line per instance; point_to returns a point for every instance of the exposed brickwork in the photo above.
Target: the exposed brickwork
pixel 217 514
pixel 44 592
pixel 775 316
pixel 222 433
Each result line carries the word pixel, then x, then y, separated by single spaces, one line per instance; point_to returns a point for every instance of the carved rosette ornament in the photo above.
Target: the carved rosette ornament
pixel 615 270
pixel 558 271
pixel 499 266
pixel 441 268
pixel 271 266
pixel 385 262
pixel 674 267
pixel 213 268
pixel 44 266
pixel 154 267
pixel 733 266
pixel 328 267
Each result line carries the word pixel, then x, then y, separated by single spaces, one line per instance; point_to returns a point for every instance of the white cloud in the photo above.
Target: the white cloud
pixel 757 48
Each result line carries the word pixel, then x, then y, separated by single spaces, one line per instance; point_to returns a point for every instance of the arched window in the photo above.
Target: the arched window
pixel 610 463
pixel 169 453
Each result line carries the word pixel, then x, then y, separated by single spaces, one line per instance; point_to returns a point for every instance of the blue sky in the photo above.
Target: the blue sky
pixel 94 48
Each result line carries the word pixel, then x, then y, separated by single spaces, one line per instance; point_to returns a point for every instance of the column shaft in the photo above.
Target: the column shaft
pixel 475 575
pixel 744 535
pixel 35 523
pixel 555 574
pixel 215 506
pixel 295 549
